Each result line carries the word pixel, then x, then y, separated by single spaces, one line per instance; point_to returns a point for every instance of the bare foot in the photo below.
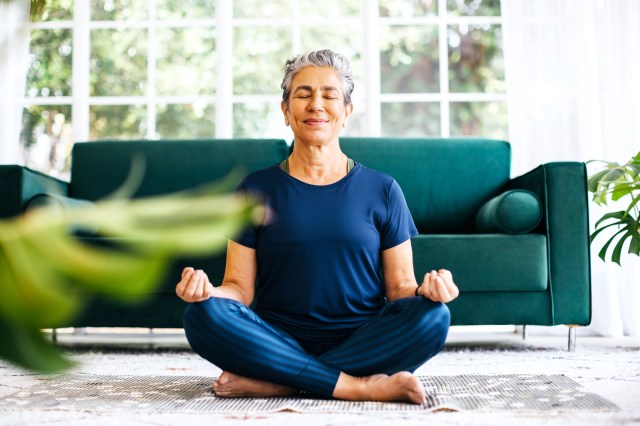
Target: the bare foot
pixel 230 385
pixel 402 386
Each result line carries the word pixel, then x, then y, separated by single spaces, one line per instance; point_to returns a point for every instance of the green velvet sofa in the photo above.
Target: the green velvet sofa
pixel 518 247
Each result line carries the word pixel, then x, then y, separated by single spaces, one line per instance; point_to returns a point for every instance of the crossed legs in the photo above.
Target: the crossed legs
pixel 374 363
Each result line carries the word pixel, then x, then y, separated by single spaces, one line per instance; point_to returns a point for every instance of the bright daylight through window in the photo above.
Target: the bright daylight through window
pixel 166 69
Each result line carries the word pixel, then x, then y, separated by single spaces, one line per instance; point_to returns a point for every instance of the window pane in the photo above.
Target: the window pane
pixel 357 122
pixel 342 40
pixel 117 122
pixel 475 59
pixel 259 120
pixel 50 53
pixel 408 8
pixel 186 61
pixel 409 59
pixel 118 10
pixel 474 7
pixel 58 10
pixel 258 58
pixel 186 9
pixel 118 62
pixel 329 8
pixel 185 121
pixel 46 138
pixel 415 119
pixel 486 119
pixel 261 9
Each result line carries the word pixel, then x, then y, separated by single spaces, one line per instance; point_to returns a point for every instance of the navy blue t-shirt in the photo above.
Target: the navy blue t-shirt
pixel 319 249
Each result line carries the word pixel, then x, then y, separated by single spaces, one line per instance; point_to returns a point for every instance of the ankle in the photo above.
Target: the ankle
pixel 351 388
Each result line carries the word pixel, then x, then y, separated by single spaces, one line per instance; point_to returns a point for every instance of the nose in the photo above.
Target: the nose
pixel 315 103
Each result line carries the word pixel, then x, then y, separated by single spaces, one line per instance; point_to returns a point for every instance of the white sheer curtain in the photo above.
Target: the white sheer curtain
pixel 573 83
pixel 14 55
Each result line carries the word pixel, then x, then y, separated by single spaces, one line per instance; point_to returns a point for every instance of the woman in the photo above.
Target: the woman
pixel 339 312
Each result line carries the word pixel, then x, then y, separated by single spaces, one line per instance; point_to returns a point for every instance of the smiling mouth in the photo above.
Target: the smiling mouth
pixel 315 122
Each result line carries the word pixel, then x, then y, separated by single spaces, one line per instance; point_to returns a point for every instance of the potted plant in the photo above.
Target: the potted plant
pixel 615 182
pixel 44 268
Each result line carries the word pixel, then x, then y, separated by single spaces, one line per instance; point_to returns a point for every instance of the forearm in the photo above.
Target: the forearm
pixel 230 290
pixel 406 289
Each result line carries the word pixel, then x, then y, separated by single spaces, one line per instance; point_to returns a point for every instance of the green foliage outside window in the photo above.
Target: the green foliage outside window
pixel 51 56
pixel 475 59
pixel 186 61
pixel 409 59
pixel 185 121
pixel 186 64
pixel 116 54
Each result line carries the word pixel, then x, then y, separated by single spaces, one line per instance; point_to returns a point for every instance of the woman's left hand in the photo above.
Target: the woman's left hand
pixel 438 286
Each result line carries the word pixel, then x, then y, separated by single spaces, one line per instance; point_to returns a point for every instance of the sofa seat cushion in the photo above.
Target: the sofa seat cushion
pixel 213 264
pixel 485 262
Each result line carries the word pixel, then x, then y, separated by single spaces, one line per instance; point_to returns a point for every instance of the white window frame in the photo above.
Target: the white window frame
pixel 444 97
pixel 224 100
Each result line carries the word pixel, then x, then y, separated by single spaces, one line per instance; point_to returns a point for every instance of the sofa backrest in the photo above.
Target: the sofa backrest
pixel 99 168
pixel 445 180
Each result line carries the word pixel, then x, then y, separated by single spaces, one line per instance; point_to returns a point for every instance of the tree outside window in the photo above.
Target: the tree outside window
pixel 135 69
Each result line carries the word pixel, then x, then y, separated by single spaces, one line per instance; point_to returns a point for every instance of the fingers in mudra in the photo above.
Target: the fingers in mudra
pixel 439 286
pixel 193 286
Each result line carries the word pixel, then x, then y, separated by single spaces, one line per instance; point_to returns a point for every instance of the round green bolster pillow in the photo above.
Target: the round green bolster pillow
pixel 513 212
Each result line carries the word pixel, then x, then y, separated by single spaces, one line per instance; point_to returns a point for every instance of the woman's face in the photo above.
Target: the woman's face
pixel 316 111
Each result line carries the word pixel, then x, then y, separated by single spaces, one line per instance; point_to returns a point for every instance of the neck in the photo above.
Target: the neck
pixel 318 165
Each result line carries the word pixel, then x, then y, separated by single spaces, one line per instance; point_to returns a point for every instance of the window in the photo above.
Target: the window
pixel 161 69
pixel 441 68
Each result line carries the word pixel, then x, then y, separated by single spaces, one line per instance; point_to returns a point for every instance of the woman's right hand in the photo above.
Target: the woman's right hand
pixel 194 286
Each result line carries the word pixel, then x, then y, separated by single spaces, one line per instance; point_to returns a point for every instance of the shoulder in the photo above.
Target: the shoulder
pixel 261 179
pixel 375 177
pixel 382 185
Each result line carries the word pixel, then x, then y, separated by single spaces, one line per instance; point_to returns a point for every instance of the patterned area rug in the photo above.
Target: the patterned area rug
pixel 77 392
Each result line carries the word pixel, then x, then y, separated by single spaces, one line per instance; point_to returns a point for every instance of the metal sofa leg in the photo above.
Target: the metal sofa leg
pixel 525 334
pixel 571 347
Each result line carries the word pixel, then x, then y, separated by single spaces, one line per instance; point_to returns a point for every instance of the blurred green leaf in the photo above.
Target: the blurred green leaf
pixel 27 348
pixel 29 285
pixel 46 274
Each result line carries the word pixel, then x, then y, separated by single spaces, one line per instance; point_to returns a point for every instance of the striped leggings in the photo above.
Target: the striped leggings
pixel 403 336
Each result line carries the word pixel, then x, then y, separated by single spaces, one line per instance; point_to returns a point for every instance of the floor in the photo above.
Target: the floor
pixel 606 366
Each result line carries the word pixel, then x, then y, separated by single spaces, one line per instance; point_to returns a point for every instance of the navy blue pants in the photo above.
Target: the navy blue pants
pixel 403 336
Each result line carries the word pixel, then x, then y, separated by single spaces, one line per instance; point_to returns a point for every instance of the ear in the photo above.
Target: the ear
pixel 285 112
pixel 347 112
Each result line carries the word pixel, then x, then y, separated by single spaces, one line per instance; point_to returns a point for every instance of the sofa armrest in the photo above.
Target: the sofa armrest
pixel 562 189
pixel 19 184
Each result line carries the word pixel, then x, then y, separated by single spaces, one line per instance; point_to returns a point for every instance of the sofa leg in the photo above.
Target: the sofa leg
pixel 525 333
pixel 54 335
pixel 571 347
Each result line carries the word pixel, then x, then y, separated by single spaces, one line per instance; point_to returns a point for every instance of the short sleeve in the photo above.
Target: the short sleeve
pixel 399 226
pixel 248 236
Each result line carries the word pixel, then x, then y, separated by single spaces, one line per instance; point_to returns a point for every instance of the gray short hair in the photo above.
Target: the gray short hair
pixel 318 58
